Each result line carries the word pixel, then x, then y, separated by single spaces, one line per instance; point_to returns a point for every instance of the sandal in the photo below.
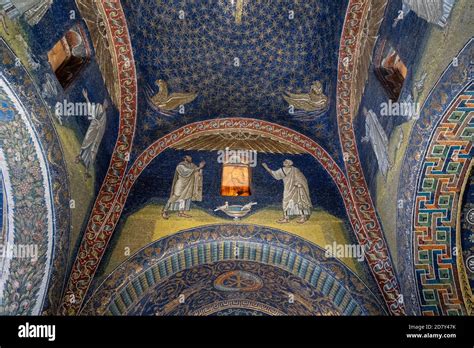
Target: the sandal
pixel 302 220
pixel 184 215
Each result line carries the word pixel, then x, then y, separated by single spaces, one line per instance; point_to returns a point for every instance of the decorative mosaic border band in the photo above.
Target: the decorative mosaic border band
pixel 96 237
pixel 247 304
pixel 110 203
pixel 373 239
pixel 125 286
pixel 437 104
pixel 238 124
pixel 444 168
pixel 40 192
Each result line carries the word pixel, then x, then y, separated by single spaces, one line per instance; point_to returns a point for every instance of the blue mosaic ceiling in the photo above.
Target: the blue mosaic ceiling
pixel 279 46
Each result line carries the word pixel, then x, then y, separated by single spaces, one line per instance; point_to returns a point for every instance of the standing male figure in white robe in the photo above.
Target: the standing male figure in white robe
pixel 187 187
pixel 94 134
pixel 296 198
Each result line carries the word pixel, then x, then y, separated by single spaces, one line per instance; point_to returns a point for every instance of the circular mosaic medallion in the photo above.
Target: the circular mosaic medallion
pixel 470 263
pixel 470 216
pixel 238 281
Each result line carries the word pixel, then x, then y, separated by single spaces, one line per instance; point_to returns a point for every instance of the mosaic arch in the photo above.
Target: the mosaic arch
pixel 93 246
pixel 37 195
pixel 465 239
pixel 111 198
pixel 197 53
pixel 247 125
pixel 7 216
pixel 212 126
pixel 29 211
pixel 220 268
pixel 347 90
pixel 435 241
pixel 435 167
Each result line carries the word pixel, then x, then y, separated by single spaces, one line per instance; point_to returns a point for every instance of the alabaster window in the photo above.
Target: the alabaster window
pixel 390 70
pixel 236 176
pixel 69 56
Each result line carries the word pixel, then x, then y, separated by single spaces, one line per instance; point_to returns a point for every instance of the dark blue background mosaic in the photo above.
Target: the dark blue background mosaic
pixel 62 16
pixel 467 229
pixel 409 33
pixel 276 54
pixel 155 182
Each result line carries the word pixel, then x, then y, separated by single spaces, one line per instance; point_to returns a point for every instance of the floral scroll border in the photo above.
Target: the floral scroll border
pixel 112 196
pixel 51 262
